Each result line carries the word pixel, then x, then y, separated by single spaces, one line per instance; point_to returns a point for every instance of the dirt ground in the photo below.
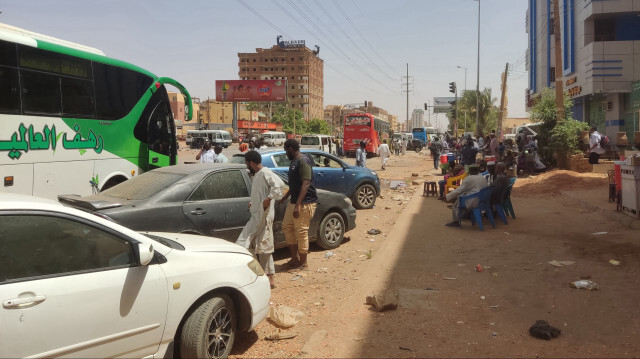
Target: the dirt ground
pixel 445 307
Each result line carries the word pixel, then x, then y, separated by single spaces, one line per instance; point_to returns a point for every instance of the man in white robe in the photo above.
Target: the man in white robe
pixel 266 188
pixel 384 152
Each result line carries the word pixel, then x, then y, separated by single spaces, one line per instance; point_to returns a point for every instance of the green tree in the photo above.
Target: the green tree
pixel 467 108
pixel 554 137
pixel 287 116
pixel 318 126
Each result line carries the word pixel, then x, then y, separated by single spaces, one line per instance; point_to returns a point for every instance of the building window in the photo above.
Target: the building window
pixel 254 60
pixel 605 29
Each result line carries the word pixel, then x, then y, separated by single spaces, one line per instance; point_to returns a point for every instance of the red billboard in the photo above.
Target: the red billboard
pixel 251 90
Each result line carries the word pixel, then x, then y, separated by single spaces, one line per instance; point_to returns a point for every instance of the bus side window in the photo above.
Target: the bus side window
pixel 41 93
pixel 9 91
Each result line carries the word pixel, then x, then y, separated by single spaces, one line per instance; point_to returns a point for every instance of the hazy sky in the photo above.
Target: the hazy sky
pixel 365 44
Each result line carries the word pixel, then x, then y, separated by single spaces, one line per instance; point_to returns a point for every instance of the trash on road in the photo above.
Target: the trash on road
pixel 556 263
pixel 284 316
pixel 599 233
pixel 585 284
pixel 322 270
pixel 397 184
pixel 279 335
pixel 614 262
pixel 478 268
pixel 296 277
pixel 374 231
pixel 383 301
pixel 494 306
pixel 329 254
pixel 542 330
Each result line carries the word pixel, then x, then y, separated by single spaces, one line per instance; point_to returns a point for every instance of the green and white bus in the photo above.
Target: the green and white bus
pixel 73 121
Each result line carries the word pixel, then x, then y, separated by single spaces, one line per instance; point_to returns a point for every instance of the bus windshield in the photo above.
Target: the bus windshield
pixel 309 140
pixel 357 121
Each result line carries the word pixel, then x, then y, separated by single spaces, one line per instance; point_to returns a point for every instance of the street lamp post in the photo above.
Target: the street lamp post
pixel 478 77
pixel 465 77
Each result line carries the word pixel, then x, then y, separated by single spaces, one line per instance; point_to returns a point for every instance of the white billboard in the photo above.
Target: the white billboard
pixel 442 104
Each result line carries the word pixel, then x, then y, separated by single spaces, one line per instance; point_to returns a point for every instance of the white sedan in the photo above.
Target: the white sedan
pixel 76 285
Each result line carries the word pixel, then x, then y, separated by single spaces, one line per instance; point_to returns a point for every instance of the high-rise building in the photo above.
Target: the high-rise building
pixel 600 59
pixel 298 65
pixel 417 119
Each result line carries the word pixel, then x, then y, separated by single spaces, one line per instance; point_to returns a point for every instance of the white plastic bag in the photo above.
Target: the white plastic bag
pixel 284 316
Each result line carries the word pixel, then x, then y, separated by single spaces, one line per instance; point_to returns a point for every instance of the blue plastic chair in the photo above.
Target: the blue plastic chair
pixel 484 205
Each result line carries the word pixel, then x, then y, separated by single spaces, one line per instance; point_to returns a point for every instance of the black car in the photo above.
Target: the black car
pixel 208 199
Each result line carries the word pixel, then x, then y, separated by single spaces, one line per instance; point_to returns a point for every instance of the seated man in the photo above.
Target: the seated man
pixel 454 171
pixel 472 184
pixel 500 184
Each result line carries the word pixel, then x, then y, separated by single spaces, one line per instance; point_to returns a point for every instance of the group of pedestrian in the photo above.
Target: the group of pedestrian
pixel 209 155
pixel 267 188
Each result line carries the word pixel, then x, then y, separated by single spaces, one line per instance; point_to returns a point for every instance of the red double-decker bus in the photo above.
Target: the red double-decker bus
pixel 364 126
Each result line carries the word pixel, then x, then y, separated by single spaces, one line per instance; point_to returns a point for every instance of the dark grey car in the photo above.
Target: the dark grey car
pixel 208 199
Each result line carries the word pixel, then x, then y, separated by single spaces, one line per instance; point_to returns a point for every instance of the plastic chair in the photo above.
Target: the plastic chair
pixel 506 202
pixel 454 182
pixel 484 205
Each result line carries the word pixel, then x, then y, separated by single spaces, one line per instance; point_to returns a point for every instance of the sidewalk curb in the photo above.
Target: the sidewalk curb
pixel 625 220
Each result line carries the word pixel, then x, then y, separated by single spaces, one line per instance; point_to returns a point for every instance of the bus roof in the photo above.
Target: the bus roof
pixel 29 38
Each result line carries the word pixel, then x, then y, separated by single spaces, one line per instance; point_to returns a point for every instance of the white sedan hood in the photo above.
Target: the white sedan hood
pixel 197 243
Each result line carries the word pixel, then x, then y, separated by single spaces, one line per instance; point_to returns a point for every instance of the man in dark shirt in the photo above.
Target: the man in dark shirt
pixel 500 184
pixel 468 155
pixel 301 207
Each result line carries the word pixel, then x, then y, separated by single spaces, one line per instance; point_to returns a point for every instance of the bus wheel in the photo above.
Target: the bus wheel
pixel 112 182
pixel 418 149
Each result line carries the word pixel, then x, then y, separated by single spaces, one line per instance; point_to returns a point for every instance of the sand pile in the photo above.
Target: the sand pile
pixel 553 182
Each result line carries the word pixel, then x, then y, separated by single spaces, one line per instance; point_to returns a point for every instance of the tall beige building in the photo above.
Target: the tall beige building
pixel 294 62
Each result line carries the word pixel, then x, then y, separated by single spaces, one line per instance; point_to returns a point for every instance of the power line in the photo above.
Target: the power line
pixel 362 36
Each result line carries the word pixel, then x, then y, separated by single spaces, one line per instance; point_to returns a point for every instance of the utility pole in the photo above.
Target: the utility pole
pixel 407 91
pixel 478 79
pixel 503 102
pixel 208 118
pixel 558 53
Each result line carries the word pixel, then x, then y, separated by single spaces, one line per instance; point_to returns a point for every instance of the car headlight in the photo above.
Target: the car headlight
pixel 348 200
pixel 255 267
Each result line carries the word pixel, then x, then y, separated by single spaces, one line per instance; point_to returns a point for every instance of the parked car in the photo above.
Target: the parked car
pixel 74 284
pixel 318 142
pixel 208 199
pixel 360 184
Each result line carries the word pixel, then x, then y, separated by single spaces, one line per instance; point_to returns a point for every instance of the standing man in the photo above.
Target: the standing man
pixel 301 207
pixel 436 149
pixel 258 232
pixel 595 150
pixel 361 154
pixel 403 148
pixel 468 154
pixel 206 155
pixel 220 158
pixel 494 146
pixel 384 152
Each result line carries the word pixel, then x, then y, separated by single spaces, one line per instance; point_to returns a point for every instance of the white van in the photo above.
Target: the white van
pixel 318 142
pixel 273 138
pixel 196 138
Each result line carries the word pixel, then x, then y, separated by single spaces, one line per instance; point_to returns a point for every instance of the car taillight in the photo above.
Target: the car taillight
pixel 101 215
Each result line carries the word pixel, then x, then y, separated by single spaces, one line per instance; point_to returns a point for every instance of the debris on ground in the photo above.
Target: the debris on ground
pixel 279 335
pixel 296 277
pixel 374 231
pixel 585 284
pixel 542 330
pixel 614 262
pixel 397 184
pixel 284 316
pixel 323 270
pixel 478 268
pixel 556 263
pixel 415 174
pixel 599 233
pixel 329 254
pixel 383 301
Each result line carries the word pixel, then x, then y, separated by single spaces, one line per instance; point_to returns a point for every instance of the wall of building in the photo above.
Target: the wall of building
pixel 600 58
pixel 302 69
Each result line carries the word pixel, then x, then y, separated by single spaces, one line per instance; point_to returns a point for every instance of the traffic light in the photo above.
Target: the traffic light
pixel 426 107
pixel 452 87
pixel 453 109
pixel 365 104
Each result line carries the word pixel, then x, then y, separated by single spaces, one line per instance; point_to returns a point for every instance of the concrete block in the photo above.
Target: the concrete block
pixel 602 167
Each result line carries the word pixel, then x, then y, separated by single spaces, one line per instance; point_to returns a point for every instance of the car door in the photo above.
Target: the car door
pixel 219 206
pixel 69 287
pixel 329 173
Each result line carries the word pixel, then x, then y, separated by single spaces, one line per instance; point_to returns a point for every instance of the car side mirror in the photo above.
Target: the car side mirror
pixel 145 253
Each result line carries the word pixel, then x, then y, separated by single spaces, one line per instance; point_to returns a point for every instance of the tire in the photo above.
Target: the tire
pixel 112 182
pixel 331 231
pixel 418 149
pixel 215 318
pixel 365 197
